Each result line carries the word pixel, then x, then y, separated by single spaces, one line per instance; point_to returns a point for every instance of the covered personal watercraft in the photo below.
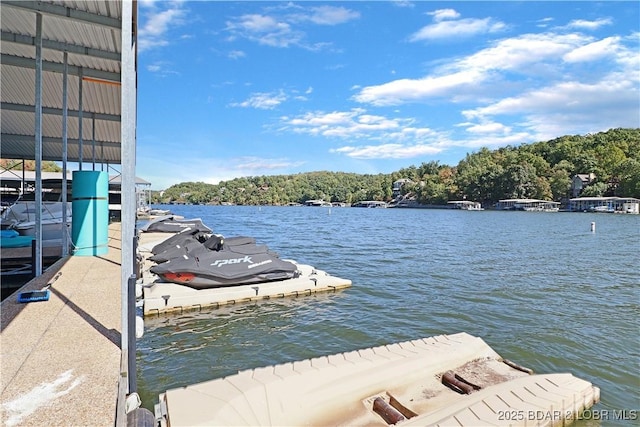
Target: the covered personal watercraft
pixel 213 269
pixel 174 224
pixel 195 247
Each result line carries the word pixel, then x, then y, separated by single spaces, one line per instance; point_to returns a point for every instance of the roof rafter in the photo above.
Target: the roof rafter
pixel 60 46
pixel 64 12
pixel 56 140
pixel 10 106
pixel 55 67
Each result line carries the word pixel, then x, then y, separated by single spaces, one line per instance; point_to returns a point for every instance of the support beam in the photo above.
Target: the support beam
pixel 128 155
pixel 38 147
pixel 65 136
pixel 80 121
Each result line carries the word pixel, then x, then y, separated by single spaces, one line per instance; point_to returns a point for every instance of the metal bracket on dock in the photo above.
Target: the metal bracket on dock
pixel 160 410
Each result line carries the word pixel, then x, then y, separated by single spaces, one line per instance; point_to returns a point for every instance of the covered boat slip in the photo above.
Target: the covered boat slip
pixel 406 383
pixel 162 297
pixel 69 87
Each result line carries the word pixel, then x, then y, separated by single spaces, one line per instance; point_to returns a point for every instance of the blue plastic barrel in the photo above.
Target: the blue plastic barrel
pixel 90 213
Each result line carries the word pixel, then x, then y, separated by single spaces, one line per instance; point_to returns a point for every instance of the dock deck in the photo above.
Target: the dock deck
pixel 61 358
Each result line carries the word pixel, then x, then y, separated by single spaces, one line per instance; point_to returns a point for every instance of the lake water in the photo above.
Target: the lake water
pixel 541 289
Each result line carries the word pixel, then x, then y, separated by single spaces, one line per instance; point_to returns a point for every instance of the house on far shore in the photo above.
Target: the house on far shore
pixel 628 205
pixel 396 190
pixel 580 181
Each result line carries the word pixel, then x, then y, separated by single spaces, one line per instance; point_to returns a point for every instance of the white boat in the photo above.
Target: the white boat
pixel 606 209
pixel 318 203
pixel 444 380
pixel 466 205
pixel 21 216
pixel 370 204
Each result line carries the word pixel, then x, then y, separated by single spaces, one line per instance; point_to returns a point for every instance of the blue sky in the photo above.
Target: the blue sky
pixel 231 89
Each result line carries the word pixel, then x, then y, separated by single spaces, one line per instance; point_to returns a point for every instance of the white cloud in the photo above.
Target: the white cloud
pixel 160 68
pixel 265 30
pixel 443 14
pixel 594 51
pixel 488 128
pixel 286 29
pixel 413 90
pixel 549 111
pixel 520 53
pixel 589 25
pixel 544 22
pixel 447 25
pixel 524 54
pixel 527 89
pixel 399 136
pixel 158 23
pixel 262 100
pixel 251 165
pixel 236 54
pixel 499 139
pixel 387 151
pixel 403 3
pixel 332 15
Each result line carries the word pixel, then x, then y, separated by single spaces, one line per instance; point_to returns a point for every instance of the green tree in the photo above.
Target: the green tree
pixel 597 189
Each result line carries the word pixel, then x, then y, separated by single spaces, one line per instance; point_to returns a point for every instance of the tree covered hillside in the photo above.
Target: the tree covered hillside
pixel 542 170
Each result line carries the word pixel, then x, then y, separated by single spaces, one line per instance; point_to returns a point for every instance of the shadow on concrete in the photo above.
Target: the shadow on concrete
pixel 111 334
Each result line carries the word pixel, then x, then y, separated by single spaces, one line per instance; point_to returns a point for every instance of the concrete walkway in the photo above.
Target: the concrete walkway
pixel 60 359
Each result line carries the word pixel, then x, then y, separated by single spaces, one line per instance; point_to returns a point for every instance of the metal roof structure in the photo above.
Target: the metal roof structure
pixel 68 93
pixel 81 48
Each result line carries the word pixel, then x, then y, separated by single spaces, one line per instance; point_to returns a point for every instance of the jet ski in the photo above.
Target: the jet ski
pixel 174 224
pixel 216 242
pixel 180 239
pixel 230 267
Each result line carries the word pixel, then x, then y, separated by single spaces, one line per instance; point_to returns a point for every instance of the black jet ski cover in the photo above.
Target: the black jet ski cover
pixel 214 243
pixel 170 224
pixel 225 268
pixel 180 239
pixel 239 240
pixel 178 251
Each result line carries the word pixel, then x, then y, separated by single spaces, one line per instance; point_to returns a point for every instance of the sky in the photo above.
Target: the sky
pixel 230 89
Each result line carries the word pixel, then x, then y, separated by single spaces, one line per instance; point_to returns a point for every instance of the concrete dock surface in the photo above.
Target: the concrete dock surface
pixel 61 358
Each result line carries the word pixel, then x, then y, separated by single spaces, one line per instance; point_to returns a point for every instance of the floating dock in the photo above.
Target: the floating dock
pixel 163 298
pixel 409 383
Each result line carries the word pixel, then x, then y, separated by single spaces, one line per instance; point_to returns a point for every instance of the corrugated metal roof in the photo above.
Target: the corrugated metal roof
pixel 90 32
